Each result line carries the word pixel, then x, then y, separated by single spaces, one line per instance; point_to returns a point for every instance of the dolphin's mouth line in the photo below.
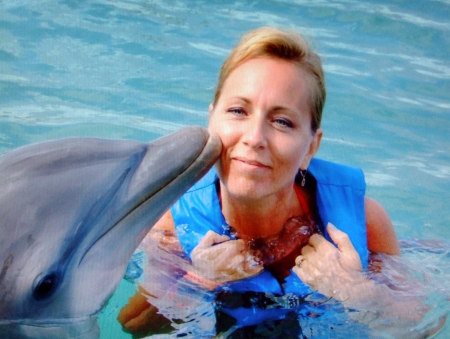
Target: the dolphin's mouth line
pixel 87 203
pixel 48 322
pixel 201 158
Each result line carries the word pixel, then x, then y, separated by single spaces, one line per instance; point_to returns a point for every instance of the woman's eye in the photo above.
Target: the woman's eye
pixel 282 122
pixel 236 111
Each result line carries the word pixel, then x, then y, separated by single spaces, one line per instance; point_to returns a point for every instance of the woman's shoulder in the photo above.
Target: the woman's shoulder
pixel 380 231
pixel 165 223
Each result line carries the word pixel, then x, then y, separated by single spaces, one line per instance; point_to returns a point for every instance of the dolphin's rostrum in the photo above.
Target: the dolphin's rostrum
pixel 72 212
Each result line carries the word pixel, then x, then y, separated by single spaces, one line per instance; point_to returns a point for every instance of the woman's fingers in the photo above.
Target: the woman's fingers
pixel 220 258
pixel 340 238
pixel 299 260
pixel 212 238
pixel 349 258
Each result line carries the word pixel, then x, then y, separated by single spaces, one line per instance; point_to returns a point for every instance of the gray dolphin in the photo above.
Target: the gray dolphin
pixel 72 212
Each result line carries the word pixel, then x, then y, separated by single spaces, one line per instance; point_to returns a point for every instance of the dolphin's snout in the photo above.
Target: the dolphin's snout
pixel 86 203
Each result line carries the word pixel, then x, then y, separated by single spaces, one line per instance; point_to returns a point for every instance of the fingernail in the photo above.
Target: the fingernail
pixel 330 225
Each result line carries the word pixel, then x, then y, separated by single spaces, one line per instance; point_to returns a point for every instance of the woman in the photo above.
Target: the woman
pixel 258 222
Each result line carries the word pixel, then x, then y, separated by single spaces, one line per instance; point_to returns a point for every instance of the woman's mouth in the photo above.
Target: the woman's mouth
pixel 251 163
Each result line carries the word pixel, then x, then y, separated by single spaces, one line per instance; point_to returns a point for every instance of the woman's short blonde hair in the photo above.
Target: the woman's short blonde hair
pixel 290 46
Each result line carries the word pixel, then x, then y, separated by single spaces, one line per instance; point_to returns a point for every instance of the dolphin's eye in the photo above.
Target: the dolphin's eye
pixel 46 286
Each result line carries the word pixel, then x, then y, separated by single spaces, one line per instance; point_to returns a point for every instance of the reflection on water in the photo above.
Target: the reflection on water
pixel 168 288
pixel 171 285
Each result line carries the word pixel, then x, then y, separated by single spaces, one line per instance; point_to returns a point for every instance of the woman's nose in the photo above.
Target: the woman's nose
pixel 255 133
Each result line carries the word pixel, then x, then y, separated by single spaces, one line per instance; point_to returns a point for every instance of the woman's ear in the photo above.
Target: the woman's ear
pixel 313 148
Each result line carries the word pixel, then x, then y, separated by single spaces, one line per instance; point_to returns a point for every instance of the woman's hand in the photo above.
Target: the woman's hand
pixel 334 272
pixel 220 259
pixel 337 273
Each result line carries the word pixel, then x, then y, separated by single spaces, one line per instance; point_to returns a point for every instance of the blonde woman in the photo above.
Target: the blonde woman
pixel 270 217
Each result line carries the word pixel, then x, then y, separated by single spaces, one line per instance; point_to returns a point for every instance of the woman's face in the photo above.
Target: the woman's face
pixel 263 119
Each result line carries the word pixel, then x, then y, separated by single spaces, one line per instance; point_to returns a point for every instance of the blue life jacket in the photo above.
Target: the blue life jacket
pixel 340 200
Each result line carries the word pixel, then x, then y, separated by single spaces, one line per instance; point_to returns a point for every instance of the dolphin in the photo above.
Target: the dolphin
pixel 72 212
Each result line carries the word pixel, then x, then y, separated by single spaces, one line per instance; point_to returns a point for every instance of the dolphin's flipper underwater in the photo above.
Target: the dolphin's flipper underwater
pixel 72 212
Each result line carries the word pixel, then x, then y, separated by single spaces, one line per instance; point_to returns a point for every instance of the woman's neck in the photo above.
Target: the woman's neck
pixel 259 218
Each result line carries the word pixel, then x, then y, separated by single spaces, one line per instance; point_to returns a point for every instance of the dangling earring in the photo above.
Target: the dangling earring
pixel 303 175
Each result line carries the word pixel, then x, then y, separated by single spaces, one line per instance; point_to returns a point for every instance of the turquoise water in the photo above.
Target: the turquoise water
pixel 141 69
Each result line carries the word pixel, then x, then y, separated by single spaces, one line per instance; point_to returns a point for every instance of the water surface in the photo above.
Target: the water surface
pixel 141 69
